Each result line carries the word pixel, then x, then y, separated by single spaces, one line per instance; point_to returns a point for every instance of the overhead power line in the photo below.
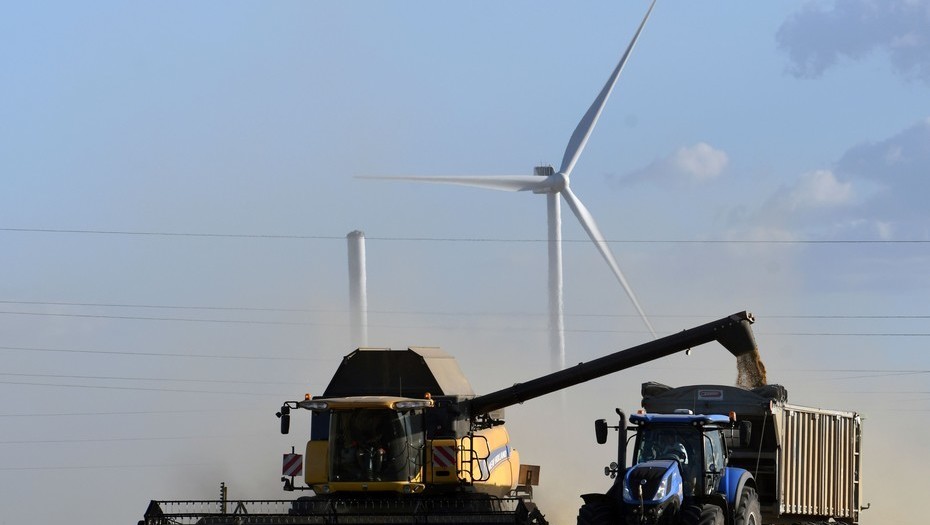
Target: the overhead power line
pixel 110 467
pixel 259 322
pixel 144 389
pixel 164 354
pixel 165 379
pixel 175 234
pixel 432 313
pixel 176 319
pixel 111 440
pixel 341 238
pixel 239 409
pixel 172 306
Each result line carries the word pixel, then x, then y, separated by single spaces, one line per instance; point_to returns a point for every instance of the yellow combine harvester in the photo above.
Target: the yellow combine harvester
pixel 394 428
pixel 400 437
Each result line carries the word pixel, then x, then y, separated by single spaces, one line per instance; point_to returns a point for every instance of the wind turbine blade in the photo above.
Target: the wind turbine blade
pixel 498 182
pixel 587 222
pixel 580 137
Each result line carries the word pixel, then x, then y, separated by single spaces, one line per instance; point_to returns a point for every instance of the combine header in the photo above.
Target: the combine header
pixel 400 437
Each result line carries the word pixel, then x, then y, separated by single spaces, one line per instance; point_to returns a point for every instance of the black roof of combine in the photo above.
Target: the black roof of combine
pixel 413 372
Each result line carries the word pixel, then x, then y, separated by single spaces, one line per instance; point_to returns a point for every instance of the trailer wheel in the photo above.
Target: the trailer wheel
pixel 596 513
pixel 748 513
pixel 702 515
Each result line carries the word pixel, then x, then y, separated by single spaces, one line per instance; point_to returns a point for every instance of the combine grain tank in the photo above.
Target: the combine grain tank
pixel 806 461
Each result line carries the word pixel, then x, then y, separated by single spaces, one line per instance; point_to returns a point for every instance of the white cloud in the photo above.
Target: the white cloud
pixel 815 37
pixel 809 198
pixel 907 40
pixel 699 164
pixel 894 154
pixel 875 190
pixel 884 230
pixel 819 189
pixel 907 151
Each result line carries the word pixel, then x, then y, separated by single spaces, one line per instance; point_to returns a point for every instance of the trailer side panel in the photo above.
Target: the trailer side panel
pixel 818 461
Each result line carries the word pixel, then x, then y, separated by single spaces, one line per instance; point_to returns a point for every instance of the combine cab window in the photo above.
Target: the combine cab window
pixel 376 445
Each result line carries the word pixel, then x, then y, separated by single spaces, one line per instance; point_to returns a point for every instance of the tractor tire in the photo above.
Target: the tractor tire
pixel 596 513
pixel 748 512
pixel 702 515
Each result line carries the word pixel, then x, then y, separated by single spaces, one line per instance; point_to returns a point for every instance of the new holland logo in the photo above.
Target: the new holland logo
pixel 708 394
pixel 444 456
pixel 497 456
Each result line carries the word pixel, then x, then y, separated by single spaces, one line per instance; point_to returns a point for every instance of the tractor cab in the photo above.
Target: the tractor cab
pixel 678 460
pixel 695 444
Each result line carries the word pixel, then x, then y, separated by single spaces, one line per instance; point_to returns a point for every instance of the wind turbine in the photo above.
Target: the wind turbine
pixel 553 183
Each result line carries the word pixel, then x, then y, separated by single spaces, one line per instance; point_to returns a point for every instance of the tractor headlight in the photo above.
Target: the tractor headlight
pixel 662 491
pixel 627 495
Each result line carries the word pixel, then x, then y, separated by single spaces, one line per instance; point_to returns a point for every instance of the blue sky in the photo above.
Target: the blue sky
pixel 747 152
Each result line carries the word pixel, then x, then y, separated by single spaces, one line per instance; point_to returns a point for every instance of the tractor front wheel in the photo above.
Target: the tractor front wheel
pixel 702 515
pixel 748 513
pixel 596 513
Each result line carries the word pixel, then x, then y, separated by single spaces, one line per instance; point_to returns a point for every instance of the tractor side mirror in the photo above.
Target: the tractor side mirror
pixel 600 431
pixel 285 415
pixel 745 433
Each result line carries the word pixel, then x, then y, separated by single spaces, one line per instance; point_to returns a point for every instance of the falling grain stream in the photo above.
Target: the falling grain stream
pixel 750 372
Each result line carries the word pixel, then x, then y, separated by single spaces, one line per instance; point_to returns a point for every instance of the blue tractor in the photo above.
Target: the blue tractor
pixel 678 473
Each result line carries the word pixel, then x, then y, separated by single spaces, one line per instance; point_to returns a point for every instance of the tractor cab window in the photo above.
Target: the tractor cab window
pixel 375 445
pixel 666 443
pixel 713 451
pixel 673 443
pixel 714 459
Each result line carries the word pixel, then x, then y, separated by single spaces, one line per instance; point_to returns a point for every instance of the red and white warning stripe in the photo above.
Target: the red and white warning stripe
pixel 444 456
pixel 293 465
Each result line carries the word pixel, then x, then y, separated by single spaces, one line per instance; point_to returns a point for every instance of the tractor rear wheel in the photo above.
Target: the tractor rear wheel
pixel 747 512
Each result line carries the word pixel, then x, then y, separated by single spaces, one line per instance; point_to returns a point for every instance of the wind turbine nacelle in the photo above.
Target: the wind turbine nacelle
pixel 543 171
pixel 554 182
